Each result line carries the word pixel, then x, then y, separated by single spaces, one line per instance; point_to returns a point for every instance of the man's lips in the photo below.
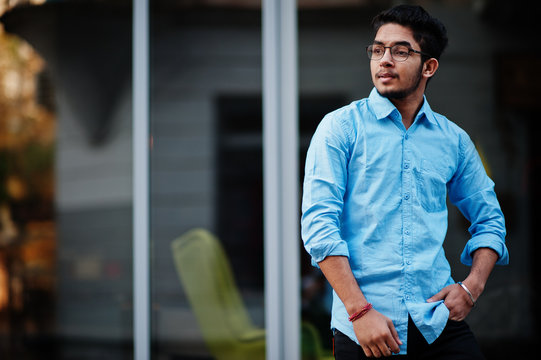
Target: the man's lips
pixel 385 75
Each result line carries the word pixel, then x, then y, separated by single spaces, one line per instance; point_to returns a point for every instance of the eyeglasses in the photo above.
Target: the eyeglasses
pixel 398 52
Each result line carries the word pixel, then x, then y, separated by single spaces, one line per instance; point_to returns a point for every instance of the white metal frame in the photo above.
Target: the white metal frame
pixel 141 175
pixel 281 190
pixel 280 170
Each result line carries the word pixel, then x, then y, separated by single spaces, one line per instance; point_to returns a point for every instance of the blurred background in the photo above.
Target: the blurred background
pixel 66 167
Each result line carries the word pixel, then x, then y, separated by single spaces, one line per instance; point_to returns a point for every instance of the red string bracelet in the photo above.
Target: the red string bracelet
pixel 359 314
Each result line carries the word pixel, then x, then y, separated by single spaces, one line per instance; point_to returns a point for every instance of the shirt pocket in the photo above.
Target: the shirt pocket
pixel 431 187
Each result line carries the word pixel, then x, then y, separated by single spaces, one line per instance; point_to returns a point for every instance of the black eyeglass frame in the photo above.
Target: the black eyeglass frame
pixel 410 50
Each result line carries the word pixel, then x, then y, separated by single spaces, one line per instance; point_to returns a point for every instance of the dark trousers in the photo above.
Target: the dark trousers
pixel 456 342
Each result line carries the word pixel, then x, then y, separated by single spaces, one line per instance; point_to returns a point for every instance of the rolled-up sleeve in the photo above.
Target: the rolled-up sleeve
pixel 323 190
pixel 472 191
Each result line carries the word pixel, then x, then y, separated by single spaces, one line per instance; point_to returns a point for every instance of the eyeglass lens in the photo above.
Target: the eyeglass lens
pixel 398 52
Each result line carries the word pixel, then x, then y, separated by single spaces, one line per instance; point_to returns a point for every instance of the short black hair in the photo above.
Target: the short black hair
pixel 428 31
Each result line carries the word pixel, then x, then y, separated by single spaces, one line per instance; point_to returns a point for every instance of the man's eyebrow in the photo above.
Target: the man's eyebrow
pixel 406 43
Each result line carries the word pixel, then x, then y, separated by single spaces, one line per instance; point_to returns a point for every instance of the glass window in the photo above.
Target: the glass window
pixel 206 180
pixel 65 180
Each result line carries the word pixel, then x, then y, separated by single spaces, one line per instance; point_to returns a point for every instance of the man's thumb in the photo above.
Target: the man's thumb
pixel 439 296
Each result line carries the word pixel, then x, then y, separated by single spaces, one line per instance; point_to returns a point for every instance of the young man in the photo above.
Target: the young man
pixel 378 172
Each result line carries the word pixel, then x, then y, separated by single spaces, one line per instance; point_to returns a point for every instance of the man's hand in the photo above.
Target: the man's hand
pixel 457 301
pixel 456 298
pixel 376 334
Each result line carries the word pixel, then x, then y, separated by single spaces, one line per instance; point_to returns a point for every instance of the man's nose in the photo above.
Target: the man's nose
pixel 387 59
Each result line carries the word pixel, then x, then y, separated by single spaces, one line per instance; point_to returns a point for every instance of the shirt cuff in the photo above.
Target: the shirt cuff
pixel 338 248
pixel 490 241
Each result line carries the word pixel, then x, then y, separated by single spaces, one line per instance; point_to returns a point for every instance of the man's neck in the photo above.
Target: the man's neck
pixel 408 108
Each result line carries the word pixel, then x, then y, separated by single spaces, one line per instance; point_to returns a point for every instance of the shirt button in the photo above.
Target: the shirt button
pixel 407 297
pixel 408 262
pixel 406 166
pixel 407 232
pixel 407 196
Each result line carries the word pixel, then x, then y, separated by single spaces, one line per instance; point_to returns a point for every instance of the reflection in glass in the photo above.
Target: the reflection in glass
pixel 65 180
pixel 206 173
pixel 27 228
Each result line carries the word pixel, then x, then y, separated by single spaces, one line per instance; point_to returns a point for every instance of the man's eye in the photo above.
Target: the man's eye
pixel 401 52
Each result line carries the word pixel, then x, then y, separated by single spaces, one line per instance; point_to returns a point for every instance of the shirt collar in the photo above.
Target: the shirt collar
pixel 384 108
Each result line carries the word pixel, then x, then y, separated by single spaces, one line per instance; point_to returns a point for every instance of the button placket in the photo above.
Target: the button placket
pixel 406 216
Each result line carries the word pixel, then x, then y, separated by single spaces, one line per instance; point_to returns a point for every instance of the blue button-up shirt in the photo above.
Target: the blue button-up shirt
pixel 376 193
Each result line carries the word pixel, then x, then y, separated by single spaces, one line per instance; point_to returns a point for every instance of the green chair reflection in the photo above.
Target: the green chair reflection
pixel 208 282
pixel 225 324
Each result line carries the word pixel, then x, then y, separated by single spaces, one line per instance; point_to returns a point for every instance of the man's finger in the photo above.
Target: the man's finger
pixel 439 296
pixel 385 349
pixel 394 333
pixel 376 351
pixel 391 345
pixel 395 342
pixel 367 351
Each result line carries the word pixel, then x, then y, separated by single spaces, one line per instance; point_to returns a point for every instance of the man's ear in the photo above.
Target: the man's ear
pixel 429 67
